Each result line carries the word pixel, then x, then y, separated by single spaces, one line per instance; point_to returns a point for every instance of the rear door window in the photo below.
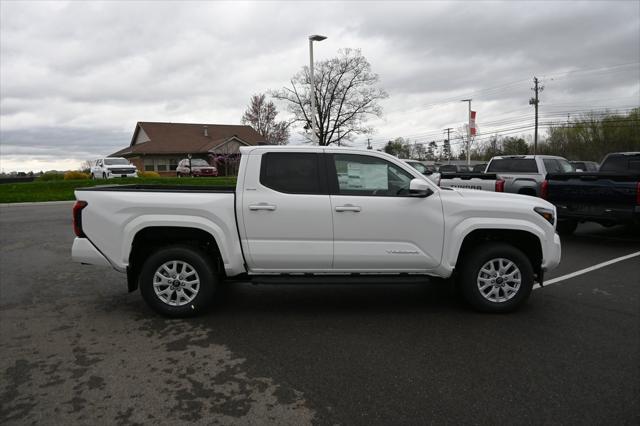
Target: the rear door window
pixel 292 172
pixel 513 165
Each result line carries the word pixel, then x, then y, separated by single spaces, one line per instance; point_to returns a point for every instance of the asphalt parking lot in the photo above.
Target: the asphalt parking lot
pixel 77 348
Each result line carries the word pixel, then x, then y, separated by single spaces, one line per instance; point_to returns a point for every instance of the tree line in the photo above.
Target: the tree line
pixel 587 138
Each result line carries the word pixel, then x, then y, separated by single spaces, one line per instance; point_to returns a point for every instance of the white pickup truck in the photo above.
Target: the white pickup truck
pixel 319 214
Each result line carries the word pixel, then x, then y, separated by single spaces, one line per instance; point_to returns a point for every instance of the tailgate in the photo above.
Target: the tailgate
pixel 592 193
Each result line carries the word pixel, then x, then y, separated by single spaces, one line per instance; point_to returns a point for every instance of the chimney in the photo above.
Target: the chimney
pixel 206 132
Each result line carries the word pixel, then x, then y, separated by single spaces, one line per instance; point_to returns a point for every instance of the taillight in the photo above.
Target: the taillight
pixel 77 218
pixel 499 185
pixel 544 189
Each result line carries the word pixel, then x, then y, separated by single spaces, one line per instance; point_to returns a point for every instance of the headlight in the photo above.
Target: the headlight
pixel 548 214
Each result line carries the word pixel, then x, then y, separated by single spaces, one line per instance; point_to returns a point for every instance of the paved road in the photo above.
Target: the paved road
pixel 76 348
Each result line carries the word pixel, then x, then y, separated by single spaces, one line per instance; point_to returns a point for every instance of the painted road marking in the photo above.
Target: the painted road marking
pixel 586 270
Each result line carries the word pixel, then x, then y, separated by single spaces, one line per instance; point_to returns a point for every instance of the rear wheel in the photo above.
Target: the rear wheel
pixel 566 227
pixel 92 176
pixel 178 281
pixel 495 277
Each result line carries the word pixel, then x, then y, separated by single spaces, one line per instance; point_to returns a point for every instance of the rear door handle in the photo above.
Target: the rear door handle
pixel 348 208
pixel 262 206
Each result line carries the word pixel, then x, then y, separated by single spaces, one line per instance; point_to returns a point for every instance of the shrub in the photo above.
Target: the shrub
pixel 51 176
pixel 150 175
pixel 75 175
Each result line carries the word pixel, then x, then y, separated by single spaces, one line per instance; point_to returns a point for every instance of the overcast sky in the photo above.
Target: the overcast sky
pixel 75 77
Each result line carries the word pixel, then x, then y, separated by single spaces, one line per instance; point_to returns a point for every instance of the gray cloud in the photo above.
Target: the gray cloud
pixel 76 76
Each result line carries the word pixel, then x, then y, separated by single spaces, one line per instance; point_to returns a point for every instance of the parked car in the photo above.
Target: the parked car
pixel 426 169
pixel 610 196
pixel 585 166
pixel 195 167
pixel 112 167
pixel 524 174
pixel 316 215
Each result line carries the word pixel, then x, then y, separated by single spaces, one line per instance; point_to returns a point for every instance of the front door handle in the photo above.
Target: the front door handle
pixel 348 208
pixel 262 206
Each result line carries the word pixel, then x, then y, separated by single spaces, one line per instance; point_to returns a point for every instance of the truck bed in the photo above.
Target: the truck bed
pixel 607 198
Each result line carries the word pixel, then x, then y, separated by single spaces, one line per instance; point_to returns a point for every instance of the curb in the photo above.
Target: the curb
pixel 39 203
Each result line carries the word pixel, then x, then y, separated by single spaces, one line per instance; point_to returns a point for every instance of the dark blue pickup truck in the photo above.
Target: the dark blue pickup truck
pixel 609 197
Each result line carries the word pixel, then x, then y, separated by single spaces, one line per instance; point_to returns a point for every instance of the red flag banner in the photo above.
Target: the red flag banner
pixel 472 123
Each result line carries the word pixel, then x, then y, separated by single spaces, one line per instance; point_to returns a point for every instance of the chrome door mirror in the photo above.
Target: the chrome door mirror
pixel 419 188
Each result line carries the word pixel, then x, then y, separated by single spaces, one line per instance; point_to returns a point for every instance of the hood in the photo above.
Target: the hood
pixel 465 203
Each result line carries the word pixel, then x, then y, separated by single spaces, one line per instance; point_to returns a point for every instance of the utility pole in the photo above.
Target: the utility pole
pixel 535 101
pixel 447 143
pixel 468 131
pixel 369 143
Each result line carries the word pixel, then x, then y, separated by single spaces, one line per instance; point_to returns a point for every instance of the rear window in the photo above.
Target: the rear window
pixel 293 173
pixel 513 165
pixel 621 163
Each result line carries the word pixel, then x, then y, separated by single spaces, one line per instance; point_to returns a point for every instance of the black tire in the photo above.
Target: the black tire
pixel 566 227
pixel 179 174
pixel 203 267
pixel 104 175
pixel 472 263
pixel 92 176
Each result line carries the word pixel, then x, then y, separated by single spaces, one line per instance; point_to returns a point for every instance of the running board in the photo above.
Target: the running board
pixel 335 279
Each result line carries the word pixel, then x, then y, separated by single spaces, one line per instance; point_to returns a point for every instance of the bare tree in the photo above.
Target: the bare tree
pixel 345 93
pixel 261 115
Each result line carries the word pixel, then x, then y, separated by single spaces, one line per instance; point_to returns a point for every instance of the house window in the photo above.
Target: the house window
pixel 173 164
pixel 148 165
pixel 162 164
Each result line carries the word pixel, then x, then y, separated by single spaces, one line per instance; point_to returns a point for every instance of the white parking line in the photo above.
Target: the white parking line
pixel 586 270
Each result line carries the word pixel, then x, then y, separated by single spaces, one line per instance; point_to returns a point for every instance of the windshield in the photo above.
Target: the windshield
pixel 116 162
pixel 198 162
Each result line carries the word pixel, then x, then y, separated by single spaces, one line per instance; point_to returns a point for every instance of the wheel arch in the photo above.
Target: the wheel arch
pixel 524 241
pixel 149 239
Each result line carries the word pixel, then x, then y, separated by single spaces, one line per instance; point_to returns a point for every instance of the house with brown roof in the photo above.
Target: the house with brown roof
pixel 159 147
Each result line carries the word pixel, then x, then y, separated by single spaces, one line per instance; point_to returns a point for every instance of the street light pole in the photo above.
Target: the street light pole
pixel 468 131
pixel 314 124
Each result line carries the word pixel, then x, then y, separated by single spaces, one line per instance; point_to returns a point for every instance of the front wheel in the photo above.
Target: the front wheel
pixel 178 281
pixel 495 277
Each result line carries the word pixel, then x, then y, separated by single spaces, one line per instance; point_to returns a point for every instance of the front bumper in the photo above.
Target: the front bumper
pixel 84 252
pixel 552 254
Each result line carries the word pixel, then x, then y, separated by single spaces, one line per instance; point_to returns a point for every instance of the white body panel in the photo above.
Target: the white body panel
pixel 471 184
pixel 284 232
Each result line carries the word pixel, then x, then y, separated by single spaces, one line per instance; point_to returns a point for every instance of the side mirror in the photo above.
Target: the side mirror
pixel 419 188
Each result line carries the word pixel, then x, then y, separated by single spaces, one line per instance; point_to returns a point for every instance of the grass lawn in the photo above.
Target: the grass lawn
pixel 60 190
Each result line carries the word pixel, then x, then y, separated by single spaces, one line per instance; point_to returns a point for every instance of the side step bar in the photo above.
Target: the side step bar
pixel 335 279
